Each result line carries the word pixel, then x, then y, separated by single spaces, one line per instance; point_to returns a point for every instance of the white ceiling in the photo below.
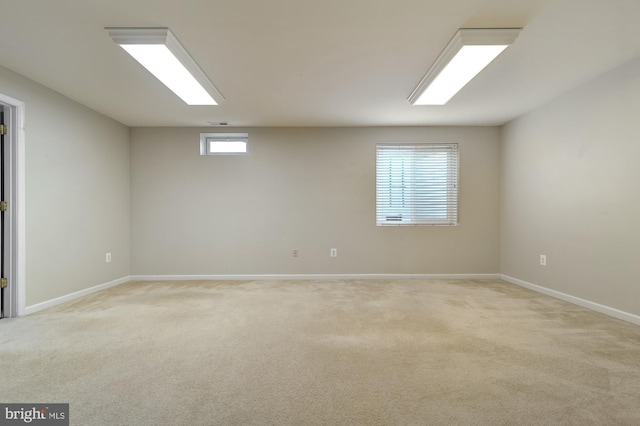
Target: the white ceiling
pixel 316 62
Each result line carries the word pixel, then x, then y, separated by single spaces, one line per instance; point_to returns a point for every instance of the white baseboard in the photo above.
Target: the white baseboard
pixel 616 313
pixel 284 277
pixel 75 295
pixel 612 312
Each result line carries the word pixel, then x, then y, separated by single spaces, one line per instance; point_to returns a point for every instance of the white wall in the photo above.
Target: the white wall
pixel 77 192
pixel 570 189
pixel 309 189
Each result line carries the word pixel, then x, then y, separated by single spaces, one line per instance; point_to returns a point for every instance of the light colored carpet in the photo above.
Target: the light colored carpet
pixel 405 352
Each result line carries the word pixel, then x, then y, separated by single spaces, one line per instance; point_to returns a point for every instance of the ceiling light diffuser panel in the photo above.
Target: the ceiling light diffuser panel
pixel 160 52
pixel 468 53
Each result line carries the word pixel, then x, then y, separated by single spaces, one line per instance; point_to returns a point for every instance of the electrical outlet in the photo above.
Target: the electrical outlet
pixel 108 258
pixel 333 252
pixel 295 252
pixel 543 260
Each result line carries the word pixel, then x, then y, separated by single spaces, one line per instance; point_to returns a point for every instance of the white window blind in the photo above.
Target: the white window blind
pixel 416 184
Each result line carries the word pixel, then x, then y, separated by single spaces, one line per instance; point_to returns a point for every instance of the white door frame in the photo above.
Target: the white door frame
pixel 15 294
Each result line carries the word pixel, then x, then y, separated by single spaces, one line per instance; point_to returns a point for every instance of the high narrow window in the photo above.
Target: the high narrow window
pixel 416 184
pixel 223 143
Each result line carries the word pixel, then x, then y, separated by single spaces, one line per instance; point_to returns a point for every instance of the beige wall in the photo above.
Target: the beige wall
pixel 309 189
pixel 561 181
pixel 570 189
pixel 77 192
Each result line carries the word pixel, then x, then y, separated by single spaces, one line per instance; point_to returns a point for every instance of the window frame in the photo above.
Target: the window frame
pixel 206 138
pixel 404 199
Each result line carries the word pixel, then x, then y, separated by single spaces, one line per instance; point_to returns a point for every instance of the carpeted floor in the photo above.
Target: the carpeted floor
pixel 405 352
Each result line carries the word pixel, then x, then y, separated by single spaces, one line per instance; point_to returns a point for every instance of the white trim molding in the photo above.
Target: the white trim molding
pixel 75 295
pixel 284 277
pixel 612 312
pixel 15 119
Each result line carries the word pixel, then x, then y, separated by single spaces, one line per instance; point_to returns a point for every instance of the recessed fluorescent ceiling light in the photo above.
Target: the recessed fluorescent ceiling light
pixel 468 53
pixel 160 52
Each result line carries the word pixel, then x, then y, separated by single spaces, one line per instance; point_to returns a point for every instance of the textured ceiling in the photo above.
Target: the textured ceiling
pixel 316 62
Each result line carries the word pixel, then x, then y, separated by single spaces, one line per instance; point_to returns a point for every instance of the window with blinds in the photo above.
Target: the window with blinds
pixel 416 184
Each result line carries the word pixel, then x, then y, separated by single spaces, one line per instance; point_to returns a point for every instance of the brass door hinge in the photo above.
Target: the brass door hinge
pixel 4 283
pixel 3 129
pixel 4 206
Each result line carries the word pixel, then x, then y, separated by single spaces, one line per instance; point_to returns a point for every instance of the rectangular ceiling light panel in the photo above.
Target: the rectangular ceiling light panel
pixel 160 52
pixel 468 53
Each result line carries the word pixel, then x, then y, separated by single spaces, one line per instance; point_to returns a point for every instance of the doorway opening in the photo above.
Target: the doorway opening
pixel 12 213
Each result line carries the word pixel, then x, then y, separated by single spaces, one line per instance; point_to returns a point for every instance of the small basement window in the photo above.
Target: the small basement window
pixel 223 143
